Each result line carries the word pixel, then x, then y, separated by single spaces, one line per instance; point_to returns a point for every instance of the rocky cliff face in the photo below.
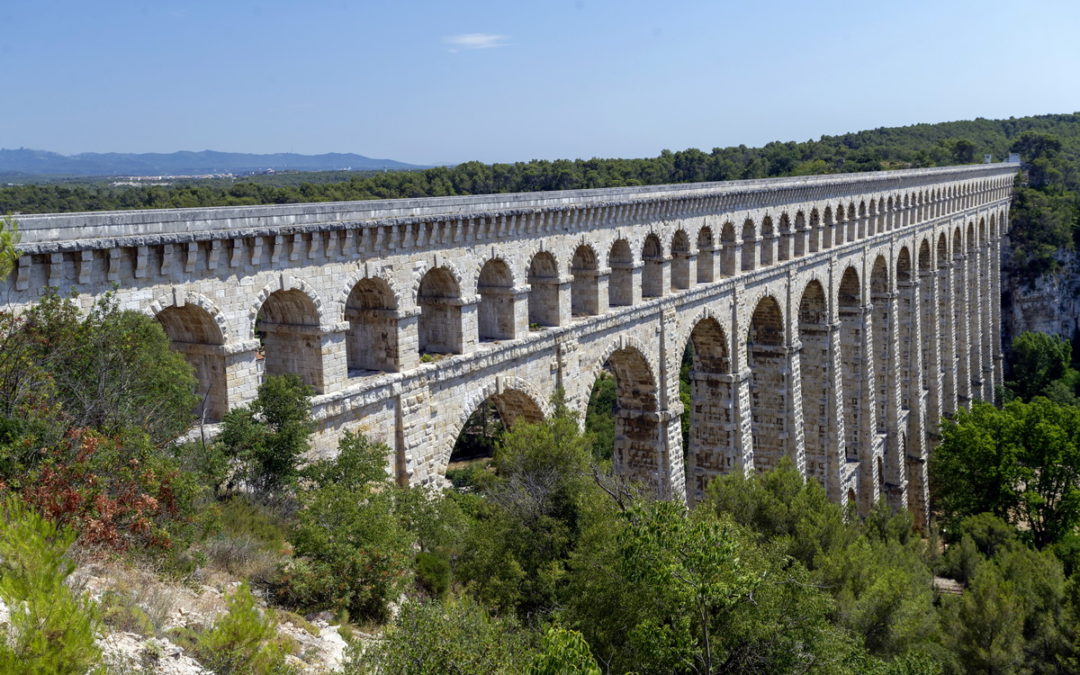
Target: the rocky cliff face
pixel 1048 304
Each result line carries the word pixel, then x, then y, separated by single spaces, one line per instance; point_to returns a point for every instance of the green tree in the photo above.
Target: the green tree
pixel 1037 361
pixel 269 436
pixel 352 551
pixel 9 241
pixel 51 628
pixel 1020 463
pixel 563 652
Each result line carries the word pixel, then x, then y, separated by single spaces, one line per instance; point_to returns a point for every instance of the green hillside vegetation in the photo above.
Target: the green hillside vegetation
pixel 543 560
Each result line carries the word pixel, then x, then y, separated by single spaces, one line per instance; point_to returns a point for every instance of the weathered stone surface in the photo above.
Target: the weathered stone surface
pixel 834 318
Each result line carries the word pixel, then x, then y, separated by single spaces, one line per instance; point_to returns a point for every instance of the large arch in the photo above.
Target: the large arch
pixel 486 420
pixel 849 304
pixel 585 289
pixel 439 298
pixel 961 310
pixel 767 356
pixel 621 281
pixel 495 314
pixel 288 327
pixel 890 473
pixel 946 328
pixel 193 332
pixel 818 383
pixel 652 277
pixel 637 454
pixel 711 444
pixel 372 341
pixel 544 290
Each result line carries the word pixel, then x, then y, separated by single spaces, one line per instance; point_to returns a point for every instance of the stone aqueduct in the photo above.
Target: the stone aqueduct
pixel 833 319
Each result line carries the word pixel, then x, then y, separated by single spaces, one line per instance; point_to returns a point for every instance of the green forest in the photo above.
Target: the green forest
pixel 539 559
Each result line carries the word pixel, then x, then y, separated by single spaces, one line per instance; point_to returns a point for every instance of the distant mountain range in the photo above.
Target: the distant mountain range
pixel 44 163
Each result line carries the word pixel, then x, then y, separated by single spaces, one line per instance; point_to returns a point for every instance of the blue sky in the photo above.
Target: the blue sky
pixel 428 81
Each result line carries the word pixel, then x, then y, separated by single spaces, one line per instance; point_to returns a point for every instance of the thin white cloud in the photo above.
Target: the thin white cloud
pixel 475 41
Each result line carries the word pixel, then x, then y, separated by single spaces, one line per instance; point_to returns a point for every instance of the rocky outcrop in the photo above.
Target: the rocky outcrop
pixel 1047 304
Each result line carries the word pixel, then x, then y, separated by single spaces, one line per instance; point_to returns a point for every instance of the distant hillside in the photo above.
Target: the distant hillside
pixel 43 163
pixel 920 145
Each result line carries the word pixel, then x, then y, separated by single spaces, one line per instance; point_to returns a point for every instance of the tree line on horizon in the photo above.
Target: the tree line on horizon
pixel 920 145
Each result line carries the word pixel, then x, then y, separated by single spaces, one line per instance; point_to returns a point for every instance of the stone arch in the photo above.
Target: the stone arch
pixel 543 290
pixel 711 447
pixel 179 297
pixel 706 247
pixel 784 248
pixel 853 366
pixel 514 399
pixel 817 380
pixel 395 296
pixel 801 235
pixel 972 243
pixel 286 283
pixel 652 277
pixel 585 288
pixel 767 357
pixel 815 231
pixel 680 261
pixel 439 297
pixel 495 312
pixel 621 281
pixel 768 241
pixel 371 343
pixel 828 227
pixel 882 323
pixel 288 326
pixel 749 244
pixel 194 333
pixel 729 259
pixel 638 451
pixel 903 265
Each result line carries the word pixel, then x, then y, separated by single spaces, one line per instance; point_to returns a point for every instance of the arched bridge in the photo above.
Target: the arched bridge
pixel 833 319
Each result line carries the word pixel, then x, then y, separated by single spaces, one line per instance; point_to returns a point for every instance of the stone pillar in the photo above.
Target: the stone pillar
pixel 913 401
pixel 470 328
pixel 750 257
pixel 947 331
pixel 890 412
pixel 769 250
pixel 986 312
pixel 994 300
pixel 408 338
pixel 744 439
pixel 869 445
pixel 673 481
pixel 931 352
pixel 973 316
pixel 519 299
pixel 712 448
pixel 603 277
pixel 795 443
pixel 335 365
pixel 243 372
pixel 961 311
pixel 801 241
pixel 565 294
pixel 706 265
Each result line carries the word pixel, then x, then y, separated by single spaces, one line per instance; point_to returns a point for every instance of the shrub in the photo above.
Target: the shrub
pixel 243 640
pixel 353 553
pixel 458 637
pixel 51 628
pixel 268 437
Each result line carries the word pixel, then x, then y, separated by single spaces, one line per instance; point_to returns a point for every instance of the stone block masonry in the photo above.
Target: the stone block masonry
pixel 833 319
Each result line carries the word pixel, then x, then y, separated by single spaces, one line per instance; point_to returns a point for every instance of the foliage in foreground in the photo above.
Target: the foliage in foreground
pixel 51 627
